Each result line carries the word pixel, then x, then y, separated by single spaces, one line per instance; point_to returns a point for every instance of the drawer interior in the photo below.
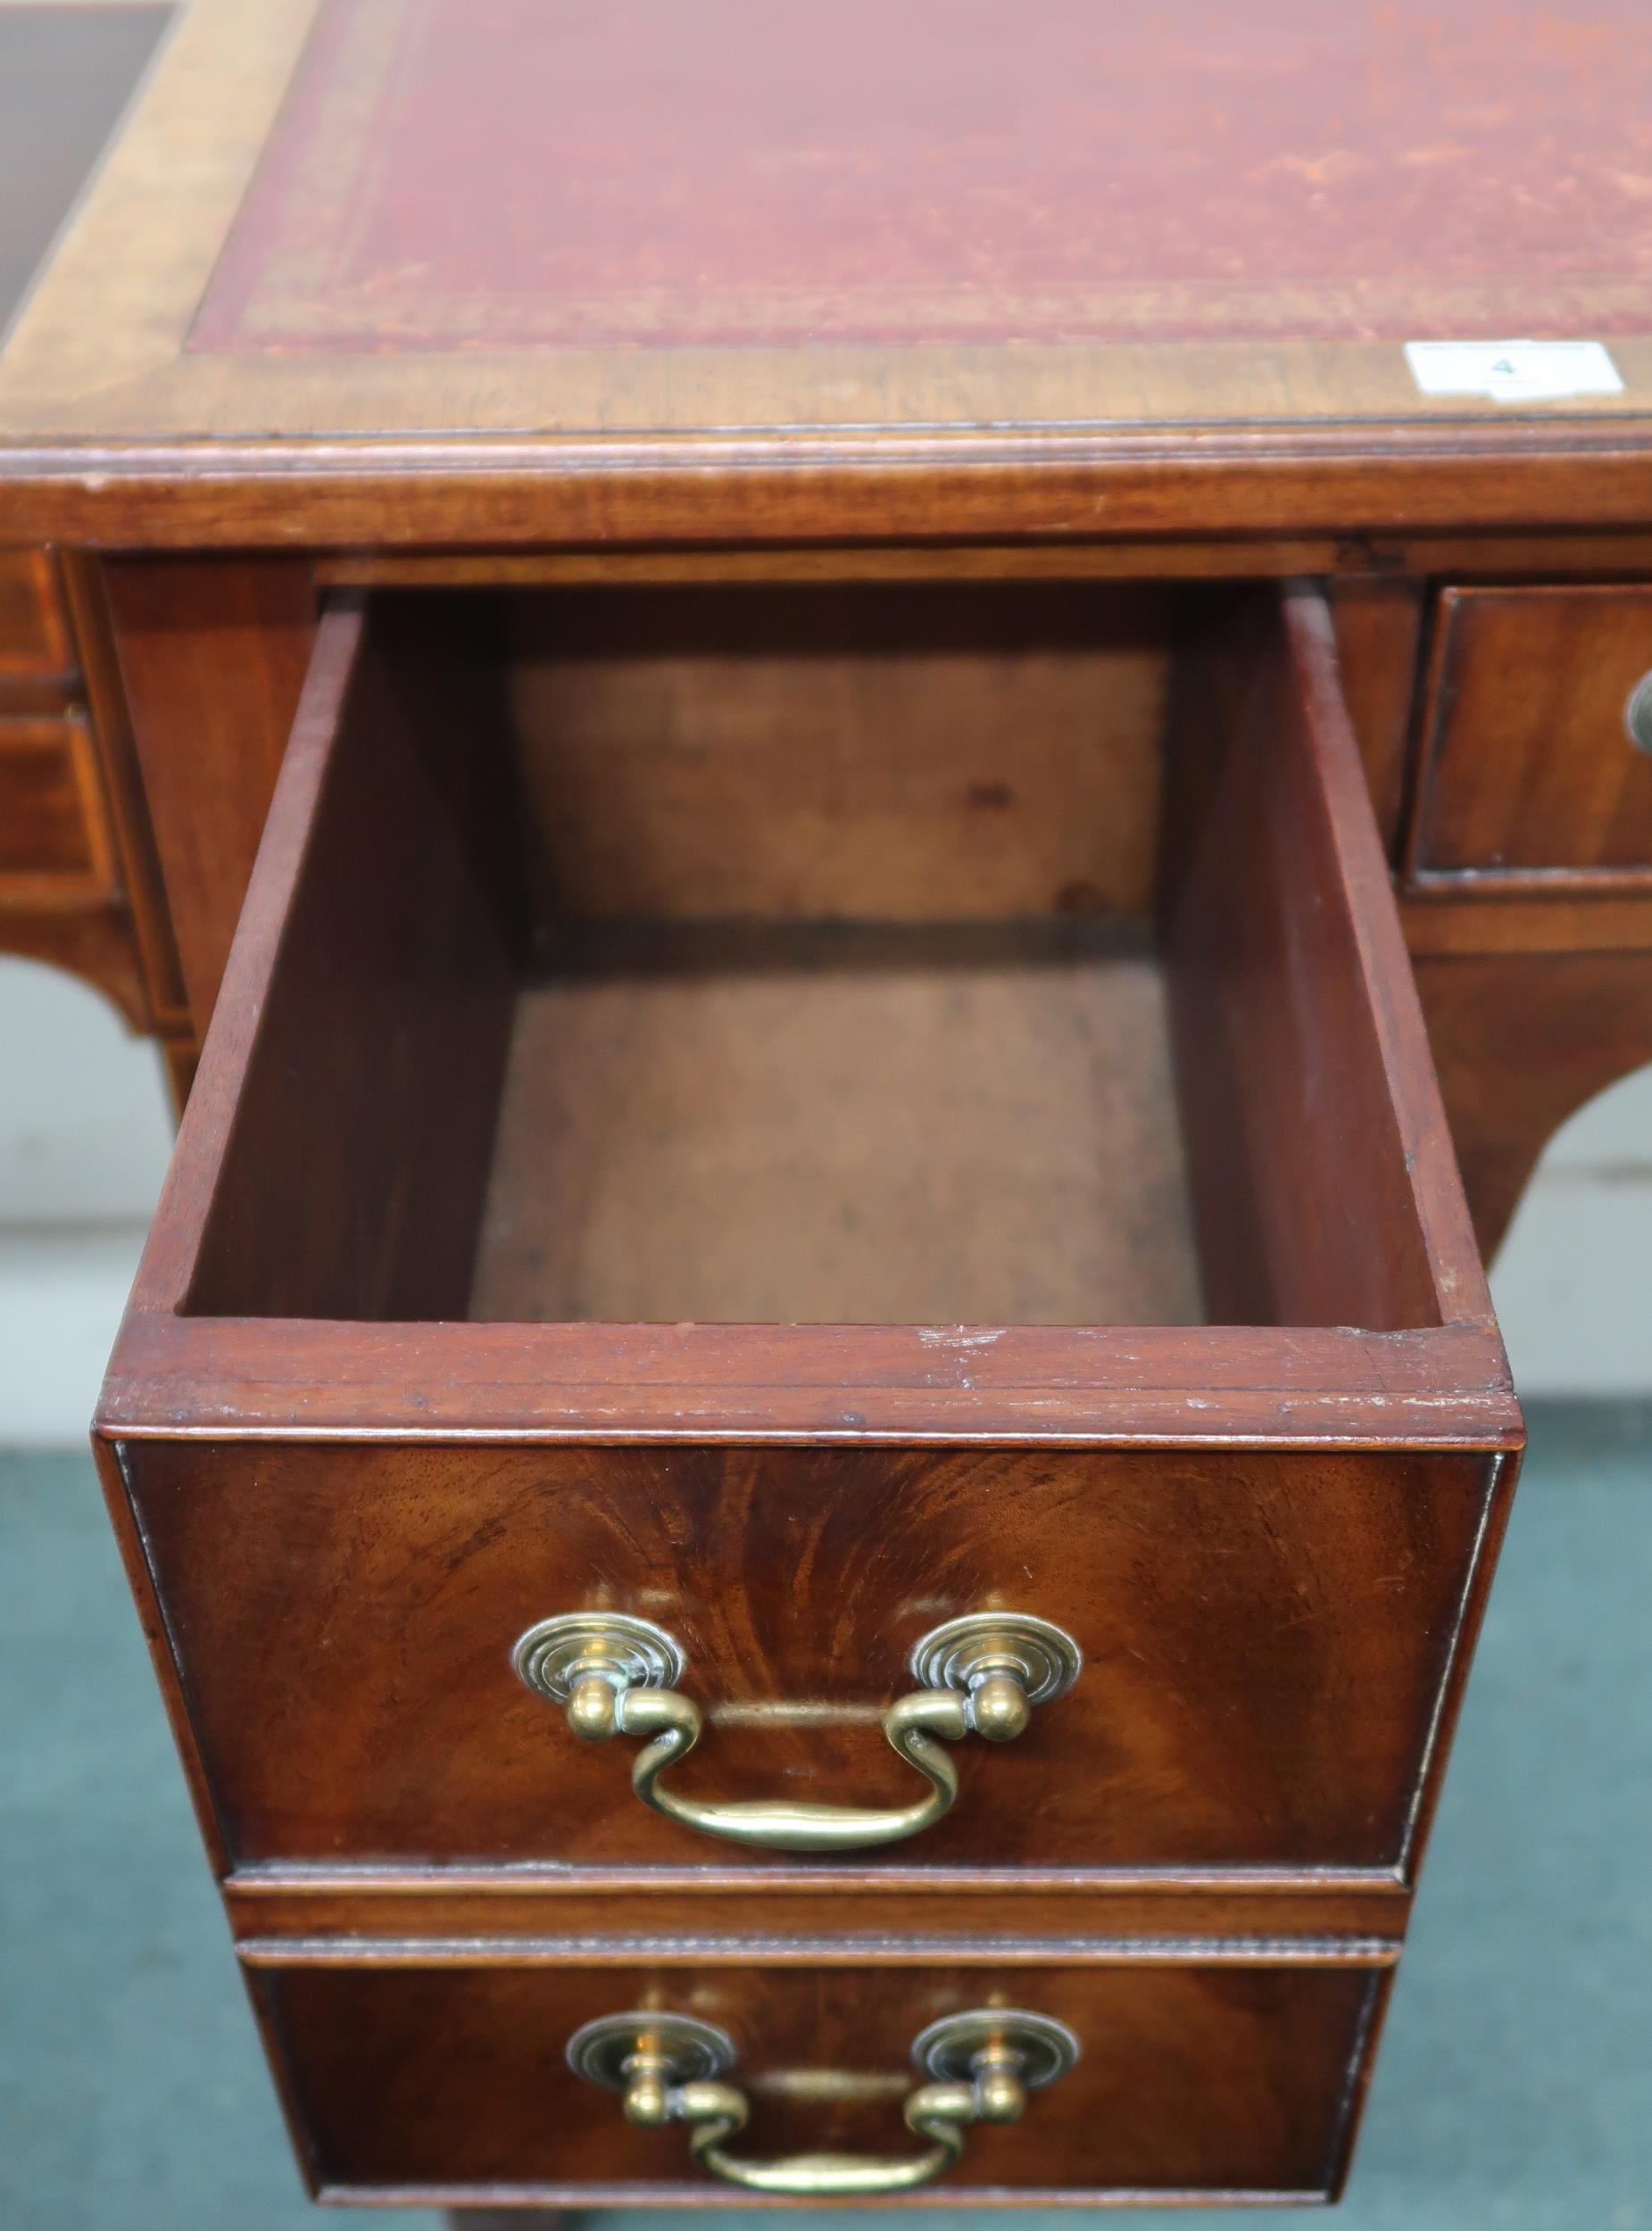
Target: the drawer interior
pixel 841 1127
pixel 846 1007
pixel 994 955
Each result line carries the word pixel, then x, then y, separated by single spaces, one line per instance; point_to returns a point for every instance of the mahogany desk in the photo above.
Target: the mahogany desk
pixel 926 789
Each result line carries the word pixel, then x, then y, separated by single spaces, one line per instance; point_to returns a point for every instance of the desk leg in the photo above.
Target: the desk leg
pixel 1521 1041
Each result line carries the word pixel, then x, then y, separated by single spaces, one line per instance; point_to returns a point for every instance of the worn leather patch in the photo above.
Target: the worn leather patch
pixel 501 175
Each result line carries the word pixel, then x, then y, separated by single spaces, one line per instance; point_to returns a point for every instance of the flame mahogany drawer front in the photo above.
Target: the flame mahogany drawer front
pixel 1538 737
pixel 1192 2075
pixel 1055 1342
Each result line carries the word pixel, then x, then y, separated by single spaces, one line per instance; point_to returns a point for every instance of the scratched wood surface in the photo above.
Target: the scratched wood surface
pixel 1269 1635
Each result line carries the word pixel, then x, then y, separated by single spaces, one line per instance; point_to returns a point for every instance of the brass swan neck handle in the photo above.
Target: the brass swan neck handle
pixel 671 2068
pixel 614 1674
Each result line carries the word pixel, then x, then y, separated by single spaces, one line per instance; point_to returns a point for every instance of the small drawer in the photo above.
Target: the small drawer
pixel 1185 2077
pixel 758 1301
pixel 54 840
pixel 34 642
pixel 1538 736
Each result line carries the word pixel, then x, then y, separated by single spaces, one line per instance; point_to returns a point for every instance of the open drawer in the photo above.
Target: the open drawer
pixel 769 1291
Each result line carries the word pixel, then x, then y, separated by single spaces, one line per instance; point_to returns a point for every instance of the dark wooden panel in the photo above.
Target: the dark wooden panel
pixel 898 753
pixel 1482 916
pixel 1561 494
pixel 914 1906
pixel 213 657
pixel 34 633
pixel 1324 1187
pixel 122 785
pixel 53 834
pixel 1378 628
pixel 1530 766
pixel 350 1179
pixel 1194 2080
pixel 1268 1635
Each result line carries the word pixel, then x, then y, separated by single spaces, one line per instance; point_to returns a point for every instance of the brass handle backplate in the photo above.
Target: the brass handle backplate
pixel 983 1674
pixel 974 2068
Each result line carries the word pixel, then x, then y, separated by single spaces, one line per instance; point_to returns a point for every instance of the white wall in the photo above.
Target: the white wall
pixel 85 1131
pixel 1572 1283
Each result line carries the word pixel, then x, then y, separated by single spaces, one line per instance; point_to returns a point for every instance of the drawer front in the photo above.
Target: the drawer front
pixel 1193 2078
pixel 35 642
pixel 1268 1636
pixel 1538 739
pixel 54 838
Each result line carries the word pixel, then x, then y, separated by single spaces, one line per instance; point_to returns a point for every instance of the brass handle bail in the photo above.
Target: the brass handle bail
pixel 979 2068
pixel 614 1674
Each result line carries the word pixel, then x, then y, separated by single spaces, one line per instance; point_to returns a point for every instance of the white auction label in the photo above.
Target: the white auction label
pixel 1513 371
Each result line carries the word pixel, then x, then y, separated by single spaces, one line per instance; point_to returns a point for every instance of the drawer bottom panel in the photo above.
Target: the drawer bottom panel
pixel 1204 2075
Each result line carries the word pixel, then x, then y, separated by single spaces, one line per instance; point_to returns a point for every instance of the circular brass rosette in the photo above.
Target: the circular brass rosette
pixel 1043 1658
pixel 632 1652
pixel 948 2049
pixel 691 2051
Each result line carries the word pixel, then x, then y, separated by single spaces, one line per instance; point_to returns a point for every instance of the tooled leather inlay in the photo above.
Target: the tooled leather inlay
pixel 520 174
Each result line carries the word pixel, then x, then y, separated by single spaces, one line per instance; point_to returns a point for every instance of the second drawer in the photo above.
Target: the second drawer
pixel 1537 744
pixel 1192 2075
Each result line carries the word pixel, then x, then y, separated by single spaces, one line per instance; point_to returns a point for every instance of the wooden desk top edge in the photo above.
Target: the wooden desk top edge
pixel 111 428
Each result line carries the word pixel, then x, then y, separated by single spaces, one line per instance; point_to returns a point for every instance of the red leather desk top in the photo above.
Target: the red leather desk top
pixel 510 174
